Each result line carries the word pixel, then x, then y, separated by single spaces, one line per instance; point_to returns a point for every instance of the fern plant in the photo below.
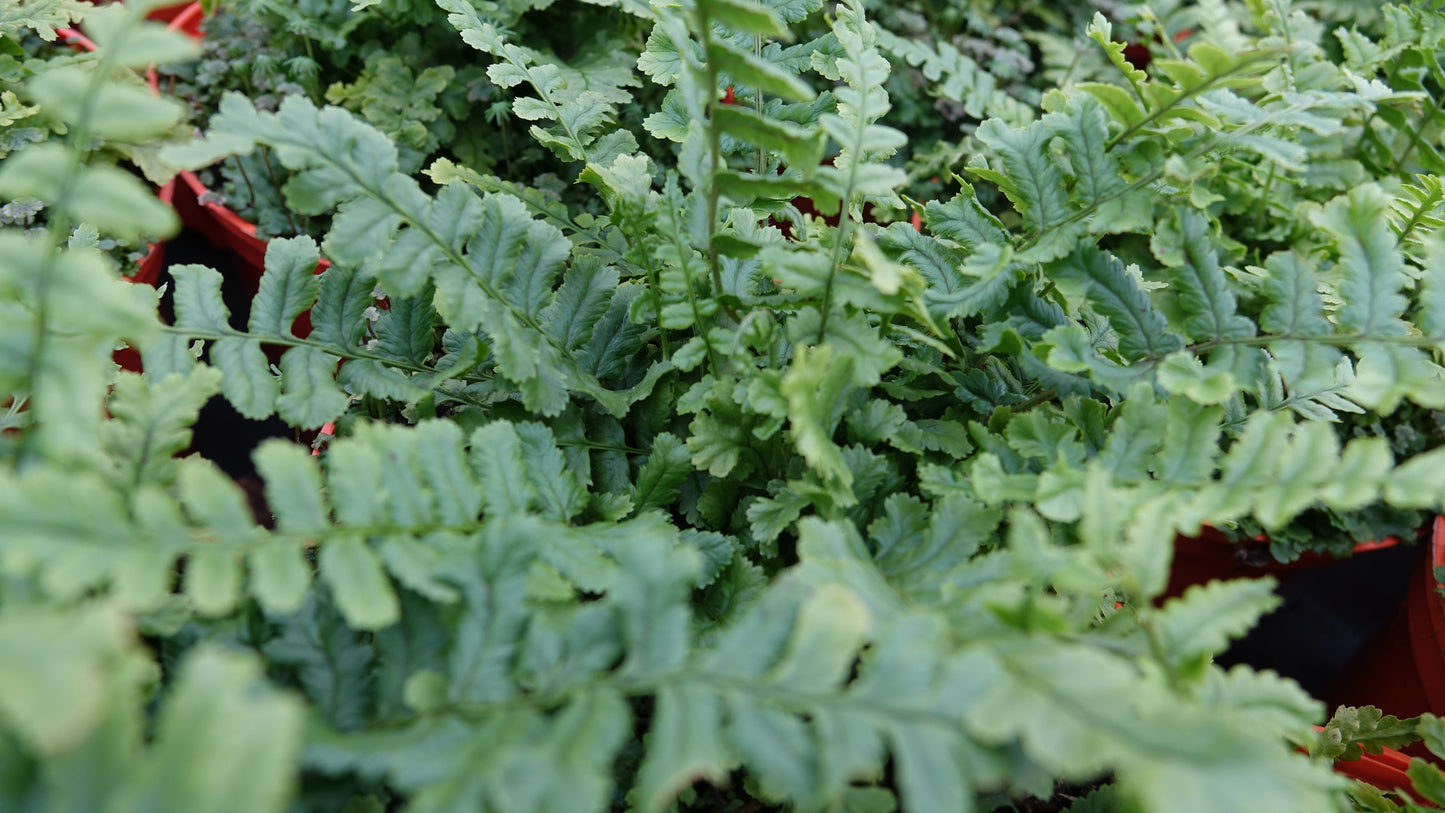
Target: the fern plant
pixel 1354 733
pixel 649 494
pixel 82 705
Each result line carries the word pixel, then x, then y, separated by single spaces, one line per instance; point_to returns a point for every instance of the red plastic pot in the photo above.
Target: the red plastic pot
pixel 184 16
pixel 1402 672
pixel 1385 770
pixel 1211 555
pixel 197 209
pixel 221 226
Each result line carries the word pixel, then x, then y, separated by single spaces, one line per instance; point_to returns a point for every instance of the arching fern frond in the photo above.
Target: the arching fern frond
pixel 494 267
pixel 393 503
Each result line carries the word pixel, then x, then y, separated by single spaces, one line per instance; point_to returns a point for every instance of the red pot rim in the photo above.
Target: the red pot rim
pixel 1210 555
pixel 1427 620
pixel 187 20
pixel 1386 771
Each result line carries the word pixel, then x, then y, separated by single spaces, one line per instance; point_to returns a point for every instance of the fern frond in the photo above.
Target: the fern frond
pixel 65 312
pixel 1296 310
pixel 858 173
pixel 1196 279
pixel 1371 269
pixel 578 104
pixel 1419 209
pixel 305 393
pixel 406 519
pixel 40 16
pixel 1322 402
pixel 218 705
pixel 151 421
pixel 957 76
pixel 494 266
pixel 762 697
pixel 63 308
pixel 1142 331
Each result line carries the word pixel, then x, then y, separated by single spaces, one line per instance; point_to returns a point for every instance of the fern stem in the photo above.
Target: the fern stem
pixel 276 184
pixel 1418 217
pixel 846 224
pixel 1158 650
pixel 697 317
pixel 245 178
pixel 1416 134
pixel 1206 85
pixel 1158 172
pixel 641 685
pixel 835 260
pixel 58 231
pixel 1337 339
pixel 654 280
pixel 1365 133
pixel 714 135
pixel 291 341
pixel 761 166
pixel 1261 206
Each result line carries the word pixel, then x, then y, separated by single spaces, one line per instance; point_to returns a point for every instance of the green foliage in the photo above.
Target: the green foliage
pixel 398 66
pixel 1354 733
pixel 686 476
pixel 577 102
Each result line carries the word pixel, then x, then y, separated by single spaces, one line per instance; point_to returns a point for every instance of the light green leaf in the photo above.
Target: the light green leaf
pixel 684 745
pixel 247 381
pixel 213 579
pixel 831 626
pixel 497 459
pixel 288 286
pixel 1371 302
pixel 121 112
pixel 1362 469
pixel 309 395
pixel 1191 442
pixel 54 667
pixel 363 227
pixel 132 43
pixel 815 386
pixel 1033 183
pixel 226 740
pixel 1114 292
pixel 1418 482
pixel 293 487
pixel 559 493
pixel 198 302
pixel 354 574
pixel 153 416
pixel 668 465
pixel 1182 373
pixel 1204 620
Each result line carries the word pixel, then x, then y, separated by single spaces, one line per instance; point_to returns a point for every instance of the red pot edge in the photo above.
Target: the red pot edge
pixel 1386 770
pixel 1209 555
pixel 1427 620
